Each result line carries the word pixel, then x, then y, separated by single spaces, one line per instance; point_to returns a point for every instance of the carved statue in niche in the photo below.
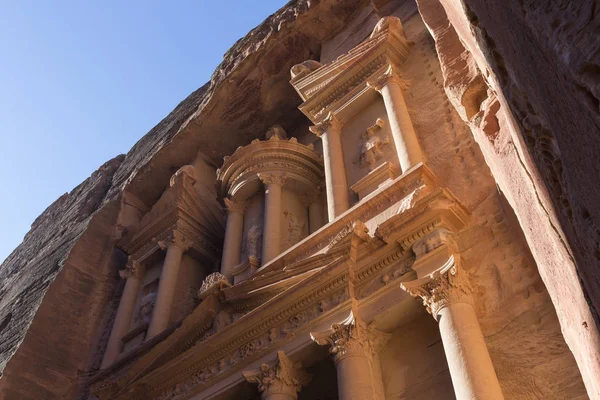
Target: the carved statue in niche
pixel 372 143
pixel 146 307
pixel 254 241
pixel 295 226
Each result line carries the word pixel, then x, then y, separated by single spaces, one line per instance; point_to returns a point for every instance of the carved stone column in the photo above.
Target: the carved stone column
pixel 447 296
pixel 354 347
pixel 407 145
pixel 282 380
pixel 176 246
pixel 272 218
pixel 133 274
pixel 232 246
pixel 312 201
pixel 330 131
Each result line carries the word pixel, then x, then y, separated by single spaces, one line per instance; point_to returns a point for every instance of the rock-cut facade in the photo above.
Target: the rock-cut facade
pixel 370 200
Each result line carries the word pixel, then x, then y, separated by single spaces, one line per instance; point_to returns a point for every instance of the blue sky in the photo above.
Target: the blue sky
pixel 82 81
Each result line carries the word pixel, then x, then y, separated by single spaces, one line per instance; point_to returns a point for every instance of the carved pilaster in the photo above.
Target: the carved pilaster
pixel 282 377
pixel 272 179
pixel 351 338
pixel 234 206
pixel 328 124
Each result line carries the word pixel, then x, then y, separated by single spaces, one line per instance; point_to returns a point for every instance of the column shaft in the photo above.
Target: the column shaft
pixel 122 320
pixel 471 368
pixel 315 216
pixel 232 246
pixel 272 222
pixel 354 377
pixel 279 396
pixel 403 132
pixel 335 173
pixel 166 290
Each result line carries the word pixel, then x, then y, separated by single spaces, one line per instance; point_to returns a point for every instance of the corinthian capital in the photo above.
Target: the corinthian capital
pixel 329 124
pixel 233 206
pixel 133 269
pixel 281 377
pixel 387 77
pixel 350 338
pixel 441 288
pixel 176 238
pixel 272 178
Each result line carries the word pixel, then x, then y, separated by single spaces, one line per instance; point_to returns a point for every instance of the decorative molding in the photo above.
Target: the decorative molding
pixel 281 377
pixel 351 338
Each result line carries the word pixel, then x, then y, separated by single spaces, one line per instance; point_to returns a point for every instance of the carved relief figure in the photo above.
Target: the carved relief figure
pixel 146 307
pixel 295 227
pixel 372 144
pixel 254 241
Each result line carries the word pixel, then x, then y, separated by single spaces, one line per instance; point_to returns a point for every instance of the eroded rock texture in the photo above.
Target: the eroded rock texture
pixel 524 75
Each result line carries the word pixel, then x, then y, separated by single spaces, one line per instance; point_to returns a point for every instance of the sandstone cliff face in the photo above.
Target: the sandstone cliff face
pixel 525 76
pixel 56 287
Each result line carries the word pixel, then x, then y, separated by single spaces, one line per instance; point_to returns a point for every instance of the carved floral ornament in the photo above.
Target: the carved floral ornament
pixel 177 239
pixel 351 338
pixel 269 179
pixel 328 124
pixel 133 269
pixel 234 206
pixel 282 377
pixel 446 286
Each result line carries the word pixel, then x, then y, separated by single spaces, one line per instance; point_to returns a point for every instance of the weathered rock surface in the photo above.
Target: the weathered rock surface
pixel 525 76
pixel 56 287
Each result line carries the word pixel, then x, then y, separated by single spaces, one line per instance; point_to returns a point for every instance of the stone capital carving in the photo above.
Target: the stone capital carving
pixel 329 124
pixel 351 338
pixel 133 269
pixel 443 287
pixel 281 377
pixel 176 239
pixel 388 77
pixel 272 178
pixel 234 206
pixel 213 284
